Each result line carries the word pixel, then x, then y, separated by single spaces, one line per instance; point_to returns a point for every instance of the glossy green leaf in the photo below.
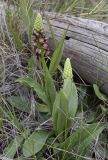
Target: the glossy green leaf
pixel 12 148
pixel 34 143
pixel 100 95
pixel 55 60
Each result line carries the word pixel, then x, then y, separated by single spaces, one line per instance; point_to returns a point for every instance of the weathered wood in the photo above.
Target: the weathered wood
pixel 86 44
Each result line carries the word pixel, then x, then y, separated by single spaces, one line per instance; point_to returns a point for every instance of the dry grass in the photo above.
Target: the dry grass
pixel 12 67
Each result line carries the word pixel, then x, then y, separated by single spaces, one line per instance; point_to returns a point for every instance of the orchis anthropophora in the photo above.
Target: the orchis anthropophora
pixel 39 42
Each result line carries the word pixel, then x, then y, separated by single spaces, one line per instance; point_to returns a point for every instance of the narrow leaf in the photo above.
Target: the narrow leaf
pixel 84 135
pixel 52 33
pixel 26 15
pixel 100 95
pixel 55 60
pixel 82 147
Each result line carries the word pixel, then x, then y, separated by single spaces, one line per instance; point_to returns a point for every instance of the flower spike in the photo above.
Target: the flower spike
pixel 38 25
pixel 39 41
pixel 67 70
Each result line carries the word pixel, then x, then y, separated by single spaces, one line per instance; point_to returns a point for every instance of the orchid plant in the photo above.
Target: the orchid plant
pixel 66 137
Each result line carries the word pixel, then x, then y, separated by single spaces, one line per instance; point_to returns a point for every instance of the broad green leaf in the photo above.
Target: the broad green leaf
pixel 20 103
pixel 82 137
pixel 56 57
pixel 100 95
pixel 12 148
pixel 62 116
pixel 49 86
pixel 56 105
pixel 34 143
pixel 70 92
pixel 73 101
pixel 36 87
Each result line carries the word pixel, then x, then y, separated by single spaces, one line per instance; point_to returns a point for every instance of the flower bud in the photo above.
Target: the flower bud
pixel 67 70
pixel 38 25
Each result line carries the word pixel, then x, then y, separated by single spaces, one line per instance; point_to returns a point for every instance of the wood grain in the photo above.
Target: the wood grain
pixel 86 44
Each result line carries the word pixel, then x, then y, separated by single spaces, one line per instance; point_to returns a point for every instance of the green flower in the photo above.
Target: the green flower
pixel 38 25
pixel 67 70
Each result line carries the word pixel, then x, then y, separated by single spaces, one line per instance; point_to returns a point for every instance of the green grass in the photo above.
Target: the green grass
pixel 23 111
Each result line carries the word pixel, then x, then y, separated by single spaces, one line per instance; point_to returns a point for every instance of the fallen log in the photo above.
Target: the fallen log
pixel 86 44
